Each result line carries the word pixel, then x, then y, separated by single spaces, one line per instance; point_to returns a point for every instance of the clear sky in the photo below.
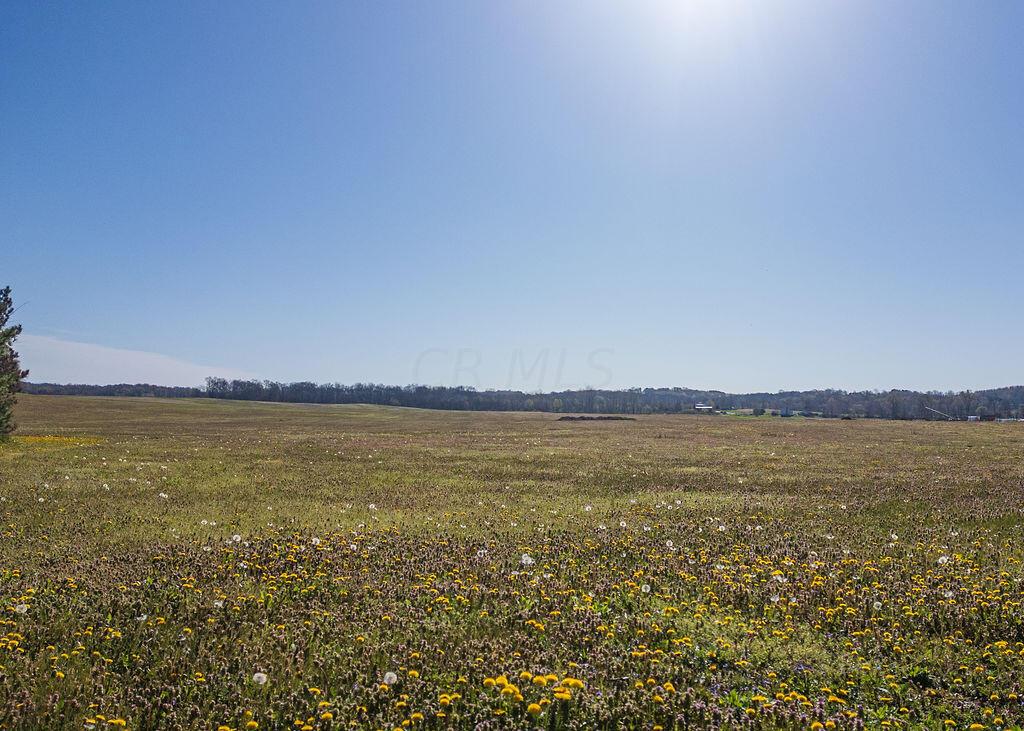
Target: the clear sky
pixel 745 196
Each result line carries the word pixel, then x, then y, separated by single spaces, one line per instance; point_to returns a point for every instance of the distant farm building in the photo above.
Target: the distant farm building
pixel 704 408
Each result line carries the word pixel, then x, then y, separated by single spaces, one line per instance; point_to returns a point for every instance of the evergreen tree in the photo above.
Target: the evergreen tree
pixel 10 370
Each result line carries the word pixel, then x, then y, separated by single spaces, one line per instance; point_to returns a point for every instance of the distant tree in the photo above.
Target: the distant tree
pixel 217 387
pixel 10 369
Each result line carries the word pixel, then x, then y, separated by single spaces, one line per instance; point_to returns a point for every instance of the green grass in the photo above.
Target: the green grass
pixel 358 531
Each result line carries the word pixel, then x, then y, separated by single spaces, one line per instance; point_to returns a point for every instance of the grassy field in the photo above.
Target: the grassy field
pixel 206 564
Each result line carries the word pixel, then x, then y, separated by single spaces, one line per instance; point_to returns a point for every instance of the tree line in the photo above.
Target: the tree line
pixel 828 403
pixel 834 403
pixel 119 389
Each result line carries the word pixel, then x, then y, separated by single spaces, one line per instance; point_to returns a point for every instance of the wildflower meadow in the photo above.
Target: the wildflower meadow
pixel 197 564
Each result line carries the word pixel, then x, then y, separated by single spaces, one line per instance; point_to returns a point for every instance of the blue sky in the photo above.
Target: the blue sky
pixel 746 196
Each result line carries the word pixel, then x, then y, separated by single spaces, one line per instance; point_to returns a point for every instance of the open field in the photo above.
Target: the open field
pixel 393 568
